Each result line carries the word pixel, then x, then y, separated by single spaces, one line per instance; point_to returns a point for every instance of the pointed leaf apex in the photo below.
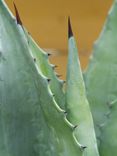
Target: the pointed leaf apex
pixel 70 33
pixel 17 15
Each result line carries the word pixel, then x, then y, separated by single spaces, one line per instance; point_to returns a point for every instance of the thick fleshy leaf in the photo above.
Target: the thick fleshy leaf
pixel 101 78
pixel 41 59
pixel 31 122
pixel 76 102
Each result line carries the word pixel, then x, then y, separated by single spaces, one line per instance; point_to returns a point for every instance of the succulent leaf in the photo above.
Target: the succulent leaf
pixel 41 59
pixel 31 122
pixel 78 111
pixel 100 79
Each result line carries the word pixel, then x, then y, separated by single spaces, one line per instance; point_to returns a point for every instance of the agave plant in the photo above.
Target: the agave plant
pixel 39 116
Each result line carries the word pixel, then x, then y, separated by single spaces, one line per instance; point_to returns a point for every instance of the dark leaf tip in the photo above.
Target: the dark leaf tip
pixel 17 15
pixel 70 33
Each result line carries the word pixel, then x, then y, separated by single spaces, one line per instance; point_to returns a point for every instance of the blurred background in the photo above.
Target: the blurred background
pixel 46 20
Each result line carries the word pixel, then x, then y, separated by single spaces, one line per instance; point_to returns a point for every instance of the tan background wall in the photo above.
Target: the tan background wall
pixel 46 20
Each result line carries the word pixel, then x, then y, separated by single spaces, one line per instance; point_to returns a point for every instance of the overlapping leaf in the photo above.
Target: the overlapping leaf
pixel 41 58
pixel 101 78
pixel 31 122
pixel 76 102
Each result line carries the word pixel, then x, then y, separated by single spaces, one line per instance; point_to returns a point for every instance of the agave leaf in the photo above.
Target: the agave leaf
pixel 76 102
pixel 41 58
pixel 31 122
pixel 101 78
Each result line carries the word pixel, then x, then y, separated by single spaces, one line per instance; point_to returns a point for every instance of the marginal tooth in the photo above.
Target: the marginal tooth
pixel 49 80
pixel 49 54
pixel 29 33
pixel 65 113
pixel 64 81
pixel 55 66
pixel 75 126
pixel 68 123
pixel 58 75
pixel 110 104
pixel 83 147
pixel 107 114
pixel 113 102
pixel 101 126
pixel 34 59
